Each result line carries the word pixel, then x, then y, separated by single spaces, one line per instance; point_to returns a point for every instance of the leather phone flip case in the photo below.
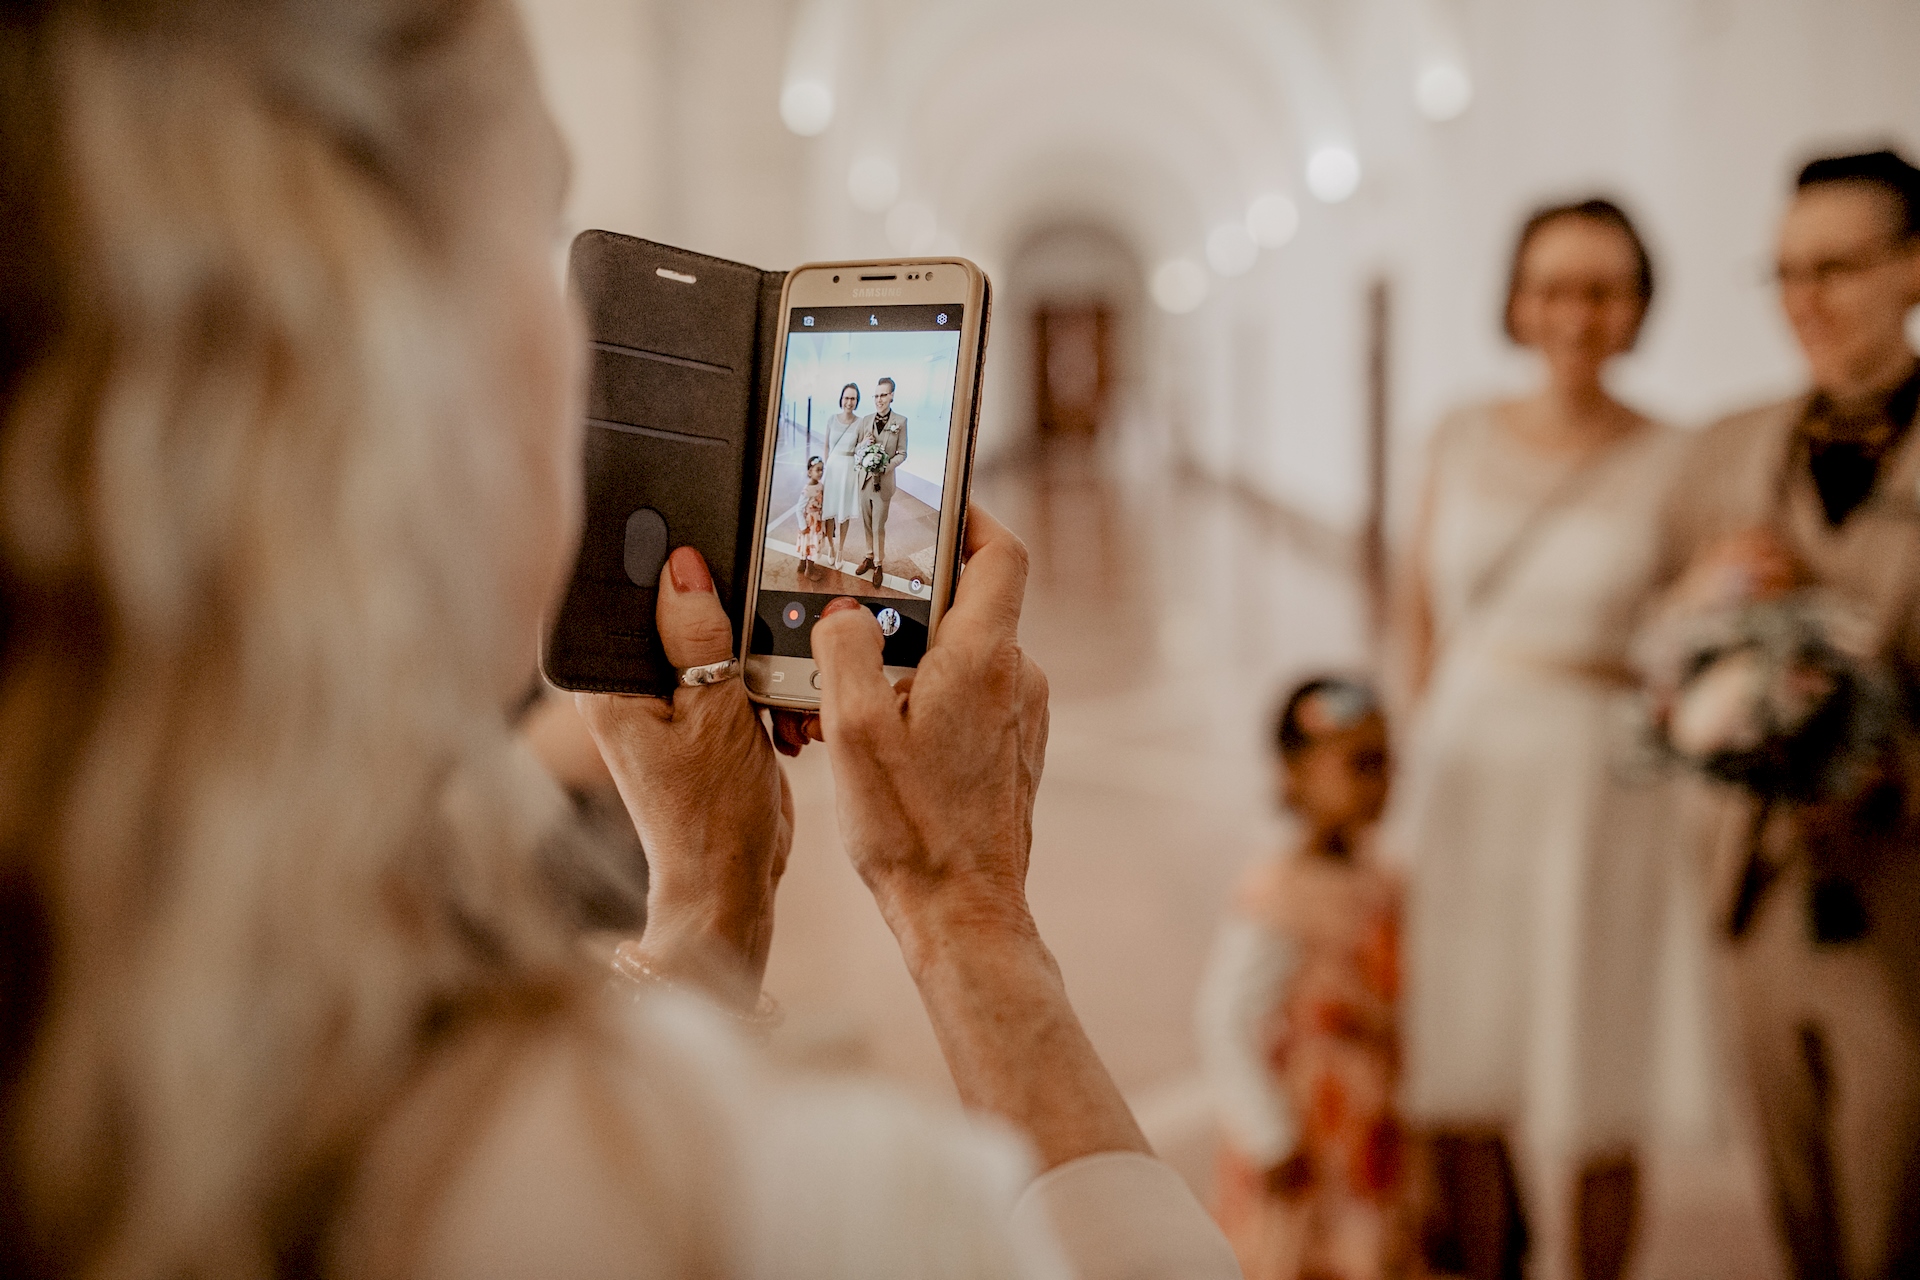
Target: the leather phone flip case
pixel 682 351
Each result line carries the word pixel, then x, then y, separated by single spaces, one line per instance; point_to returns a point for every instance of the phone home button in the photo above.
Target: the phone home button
pixel 816 679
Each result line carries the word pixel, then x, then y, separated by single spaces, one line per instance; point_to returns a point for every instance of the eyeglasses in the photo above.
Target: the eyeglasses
pixel 1831 271
pixel 1592 292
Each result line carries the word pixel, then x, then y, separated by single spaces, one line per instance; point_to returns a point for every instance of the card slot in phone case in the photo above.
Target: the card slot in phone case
pixel 670 397
pixel 687 362
pixel 659 433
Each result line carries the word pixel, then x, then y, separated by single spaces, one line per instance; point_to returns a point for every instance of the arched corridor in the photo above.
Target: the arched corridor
pixel 1246 254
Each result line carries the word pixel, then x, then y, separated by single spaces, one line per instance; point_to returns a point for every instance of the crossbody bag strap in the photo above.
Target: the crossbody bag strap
pixel 1558 500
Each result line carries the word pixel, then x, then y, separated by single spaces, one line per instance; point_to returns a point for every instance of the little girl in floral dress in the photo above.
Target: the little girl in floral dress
pixel 1297 1019
pixel 812 535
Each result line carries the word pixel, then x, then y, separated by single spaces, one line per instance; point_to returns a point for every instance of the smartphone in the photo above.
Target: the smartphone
pixel 866 459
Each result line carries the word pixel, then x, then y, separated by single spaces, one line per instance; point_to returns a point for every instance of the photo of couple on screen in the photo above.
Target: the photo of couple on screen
pixel 859 464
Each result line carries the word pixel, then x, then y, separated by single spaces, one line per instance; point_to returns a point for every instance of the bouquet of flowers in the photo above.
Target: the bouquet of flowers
pixel 872 462
pixel 1779 696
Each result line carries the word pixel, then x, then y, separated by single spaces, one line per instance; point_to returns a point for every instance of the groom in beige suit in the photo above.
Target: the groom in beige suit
pixel 888 430
pixel 1819 906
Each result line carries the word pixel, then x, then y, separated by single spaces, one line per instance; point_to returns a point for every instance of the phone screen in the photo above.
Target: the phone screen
pixel 859 466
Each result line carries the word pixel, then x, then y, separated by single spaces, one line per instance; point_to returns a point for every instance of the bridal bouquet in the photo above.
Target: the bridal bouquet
pixel 872 460
pixel 1780 697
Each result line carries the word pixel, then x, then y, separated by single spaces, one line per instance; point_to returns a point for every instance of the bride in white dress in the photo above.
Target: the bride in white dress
pixel 840 505
pixel 1544 870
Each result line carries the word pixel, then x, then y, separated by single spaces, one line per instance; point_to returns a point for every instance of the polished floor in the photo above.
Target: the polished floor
pixel 1168 616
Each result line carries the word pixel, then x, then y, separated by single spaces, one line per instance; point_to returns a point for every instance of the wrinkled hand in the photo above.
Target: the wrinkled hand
pixel 1741 568
pixel 707 796
pixel 935 777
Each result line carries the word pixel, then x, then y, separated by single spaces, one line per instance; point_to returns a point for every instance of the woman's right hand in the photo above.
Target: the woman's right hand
pixel 935 779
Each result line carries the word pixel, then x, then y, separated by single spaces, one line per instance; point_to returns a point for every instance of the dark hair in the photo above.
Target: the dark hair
pixel 1357 701
pixel 816 458
pixel 853 387
pixel 1597 209
pixel 1888 170
pixel 890 383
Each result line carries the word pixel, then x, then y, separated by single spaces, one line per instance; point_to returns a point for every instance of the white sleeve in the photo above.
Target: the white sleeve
pixel 663 1149
pixel 1245 979
pixel 1120 1215
pixel 849 1181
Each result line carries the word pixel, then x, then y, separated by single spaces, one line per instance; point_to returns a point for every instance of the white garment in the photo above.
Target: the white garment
pixel 1544 863
pixel 1246 977
pixel 660 1147
pixel 841 481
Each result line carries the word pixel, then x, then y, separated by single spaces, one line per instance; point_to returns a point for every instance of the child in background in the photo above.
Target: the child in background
pixel 1297 1017
pixel 812 536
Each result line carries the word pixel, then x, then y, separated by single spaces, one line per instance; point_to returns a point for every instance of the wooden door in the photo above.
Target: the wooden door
pixel 1072 368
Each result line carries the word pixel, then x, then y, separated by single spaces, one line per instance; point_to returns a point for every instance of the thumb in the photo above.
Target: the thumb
pixel 694 627
pixel 847 647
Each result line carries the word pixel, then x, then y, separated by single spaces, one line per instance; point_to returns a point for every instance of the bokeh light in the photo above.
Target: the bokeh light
pixel 1443 91
pixel 1179 285
pixel 1333 174
pixel 806 107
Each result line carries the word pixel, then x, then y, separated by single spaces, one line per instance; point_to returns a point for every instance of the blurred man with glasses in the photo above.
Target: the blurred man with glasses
pixel 1817 897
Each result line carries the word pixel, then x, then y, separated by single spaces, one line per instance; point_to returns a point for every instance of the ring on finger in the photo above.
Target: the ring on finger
pixel 711 673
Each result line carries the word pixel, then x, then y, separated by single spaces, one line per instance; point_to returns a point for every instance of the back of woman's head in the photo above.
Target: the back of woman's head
pixel 263 542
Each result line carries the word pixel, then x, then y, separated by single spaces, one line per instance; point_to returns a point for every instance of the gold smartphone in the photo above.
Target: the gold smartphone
pixel 866 463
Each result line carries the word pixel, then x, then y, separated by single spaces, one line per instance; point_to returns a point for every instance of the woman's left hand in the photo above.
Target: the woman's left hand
pixel 707 796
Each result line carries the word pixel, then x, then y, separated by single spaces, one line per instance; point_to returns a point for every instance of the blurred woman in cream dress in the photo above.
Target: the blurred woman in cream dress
pixel 1542 866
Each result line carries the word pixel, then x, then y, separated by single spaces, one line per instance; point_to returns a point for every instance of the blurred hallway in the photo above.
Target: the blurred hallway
pixel 1262 246
pixel 1166 641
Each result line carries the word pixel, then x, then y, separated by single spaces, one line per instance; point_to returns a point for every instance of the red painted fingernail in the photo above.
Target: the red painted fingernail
pixel 840 605
pixel 689 570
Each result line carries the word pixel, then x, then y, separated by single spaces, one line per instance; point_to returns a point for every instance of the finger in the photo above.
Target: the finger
pixel 848 648
pixel 694 628
pixel 790 731
pixel 988 600
pixel 982 527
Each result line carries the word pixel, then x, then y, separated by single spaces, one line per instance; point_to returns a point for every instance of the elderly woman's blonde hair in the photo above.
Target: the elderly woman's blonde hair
pixel 263 844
